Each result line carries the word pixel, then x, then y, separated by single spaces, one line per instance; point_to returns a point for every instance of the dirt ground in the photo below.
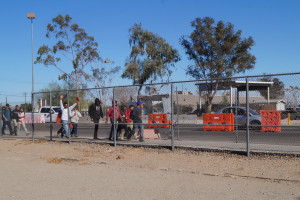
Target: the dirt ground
pixel 57 170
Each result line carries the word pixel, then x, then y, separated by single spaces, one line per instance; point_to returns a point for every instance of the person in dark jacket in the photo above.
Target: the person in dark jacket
pixel 15 119
pixel 6 117
pixel 95 113
pixel 138 113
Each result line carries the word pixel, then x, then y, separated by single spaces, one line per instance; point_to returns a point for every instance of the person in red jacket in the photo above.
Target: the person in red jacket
pixel 128 116
pixel 110 115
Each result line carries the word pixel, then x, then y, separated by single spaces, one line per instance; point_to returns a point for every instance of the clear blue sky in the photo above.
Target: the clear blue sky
pixel 274 25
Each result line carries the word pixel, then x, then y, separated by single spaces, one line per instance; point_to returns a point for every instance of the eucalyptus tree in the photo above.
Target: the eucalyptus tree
pixel 276 90
pixel 217 52
pixel 71 46
pixel 151 57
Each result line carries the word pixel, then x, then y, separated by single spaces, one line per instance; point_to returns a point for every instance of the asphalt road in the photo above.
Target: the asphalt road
pixel 288 135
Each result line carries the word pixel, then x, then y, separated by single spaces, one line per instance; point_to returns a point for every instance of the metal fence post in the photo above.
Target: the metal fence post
pixel 247 103
pixel 68 100
pixel 172 120
pixel 32 115
pixel 114 121
pixel 177 109
pixel 235 113
pixel 51 126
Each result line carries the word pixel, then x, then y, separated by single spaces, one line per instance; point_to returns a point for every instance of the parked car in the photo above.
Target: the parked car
pixel 294 114
pixel 46 111
pixel 240 116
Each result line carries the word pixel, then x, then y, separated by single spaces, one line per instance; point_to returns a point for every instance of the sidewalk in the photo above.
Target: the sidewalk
pixel 188 144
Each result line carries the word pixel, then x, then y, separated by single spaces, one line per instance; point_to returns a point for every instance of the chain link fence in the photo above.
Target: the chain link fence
pixel 263 111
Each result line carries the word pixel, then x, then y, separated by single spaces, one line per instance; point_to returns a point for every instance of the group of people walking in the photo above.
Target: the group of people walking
pixel 15 118
pixel 126 122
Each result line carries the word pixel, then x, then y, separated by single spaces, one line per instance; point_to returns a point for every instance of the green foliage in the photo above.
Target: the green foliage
pixel 72 44
pixel 151 57
pixel 275 91
pixel 218 51
pixel 182 109
pixel 57 90
pixel 26 106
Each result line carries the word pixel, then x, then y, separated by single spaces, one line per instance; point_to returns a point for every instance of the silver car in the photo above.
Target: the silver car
pixel 240 116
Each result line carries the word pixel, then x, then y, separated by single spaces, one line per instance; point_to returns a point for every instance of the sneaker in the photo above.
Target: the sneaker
pixel 27 134
pixel 76 135
pixel 141 140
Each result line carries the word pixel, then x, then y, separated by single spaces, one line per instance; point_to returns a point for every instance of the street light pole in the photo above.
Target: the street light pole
pixel 31 16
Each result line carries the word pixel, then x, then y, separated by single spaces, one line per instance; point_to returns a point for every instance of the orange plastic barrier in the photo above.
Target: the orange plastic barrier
pixel 270 117
pixel 218 119
pixel 158 119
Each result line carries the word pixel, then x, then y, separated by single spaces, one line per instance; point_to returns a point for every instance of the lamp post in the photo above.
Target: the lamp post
pixel 31 16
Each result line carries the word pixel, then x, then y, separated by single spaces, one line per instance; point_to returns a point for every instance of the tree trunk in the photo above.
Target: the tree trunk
pixel 208 103
pixel 139 92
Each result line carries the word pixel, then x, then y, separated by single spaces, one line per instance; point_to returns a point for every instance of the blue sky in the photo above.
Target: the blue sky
pixel 274 25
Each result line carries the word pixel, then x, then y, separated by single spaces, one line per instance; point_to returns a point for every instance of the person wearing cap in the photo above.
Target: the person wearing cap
pixel 6 118
pixel 113 119
pixel 95 113
pixel 138 113
pixel 65 114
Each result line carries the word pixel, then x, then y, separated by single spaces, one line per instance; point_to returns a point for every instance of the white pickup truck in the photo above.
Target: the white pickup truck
pixel 45 110
pixel 43 115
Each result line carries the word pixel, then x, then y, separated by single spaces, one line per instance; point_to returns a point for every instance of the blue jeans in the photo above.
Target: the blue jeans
pixel 74 130
pixel 140 127
pixel 66 127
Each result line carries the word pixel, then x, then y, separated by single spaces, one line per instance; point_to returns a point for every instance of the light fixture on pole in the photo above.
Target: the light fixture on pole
pixel 31 16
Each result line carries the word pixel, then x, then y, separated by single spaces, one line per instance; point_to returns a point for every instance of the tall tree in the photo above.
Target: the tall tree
pixel 71 45
pixel 151 57
pixel 275 91
pixel 218 52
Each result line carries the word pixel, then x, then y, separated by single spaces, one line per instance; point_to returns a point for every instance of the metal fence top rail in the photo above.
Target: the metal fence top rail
pixel 168 83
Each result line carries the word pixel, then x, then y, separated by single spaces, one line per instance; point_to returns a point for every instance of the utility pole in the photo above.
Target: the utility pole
pixel 25 93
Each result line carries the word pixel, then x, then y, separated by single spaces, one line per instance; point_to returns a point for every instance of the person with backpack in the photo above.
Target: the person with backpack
pixel 122 125
pixel 95 113
pixel 111 115
pixel 129 121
